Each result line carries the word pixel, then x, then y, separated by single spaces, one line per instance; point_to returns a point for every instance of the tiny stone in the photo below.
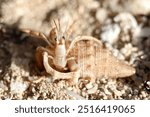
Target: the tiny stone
pixel 70 88
pixel 110 33
pixel 44 94
pixel 101 15
pixel 83 93
pixel 89 85
pixel 93 90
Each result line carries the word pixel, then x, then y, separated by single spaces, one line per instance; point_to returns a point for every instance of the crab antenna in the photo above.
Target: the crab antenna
pixel 70 29
pixel 55 25
pixel 60 31
pixel 65 32
pixel 59 24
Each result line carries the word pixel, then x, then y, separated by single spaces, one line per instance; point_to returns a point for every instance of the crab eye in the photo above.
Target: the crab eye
pixel 63 37
pixel 55 38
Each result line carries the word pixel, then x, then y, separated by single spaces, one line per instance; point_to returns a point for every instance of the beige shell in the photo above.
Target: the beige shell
pixel 92 58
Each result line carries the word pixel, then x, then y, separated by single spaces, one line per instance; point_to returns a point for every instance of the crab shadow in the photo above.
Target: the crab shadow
pixel 17 48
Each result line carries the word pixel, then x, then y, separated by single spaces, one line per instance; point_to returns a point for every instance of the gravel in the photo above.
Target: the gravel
pixel 123 27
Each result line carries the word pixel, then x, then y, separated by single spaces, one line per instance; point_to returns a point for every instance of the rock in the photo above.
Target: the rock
pixel 93 89
pixel 126 20
pixel 101 15
pixel 18 86
pixel 110 33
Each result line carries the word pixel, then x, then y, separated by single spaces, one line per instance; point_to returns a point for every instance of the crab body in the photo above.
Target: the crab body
pixel 84 57
pixel 60 56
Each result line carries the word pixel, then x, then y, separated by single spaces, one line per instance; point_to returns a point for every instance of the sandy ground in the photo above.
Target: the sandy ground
pixel 123 27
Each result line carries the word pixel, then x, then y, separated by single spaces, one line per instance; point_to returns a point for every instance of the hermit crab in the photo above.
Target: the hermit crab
pixel 82 57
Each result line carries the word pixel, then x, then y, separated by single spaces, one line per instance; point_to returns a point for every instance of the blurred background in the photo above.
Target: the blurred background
pixel 90 15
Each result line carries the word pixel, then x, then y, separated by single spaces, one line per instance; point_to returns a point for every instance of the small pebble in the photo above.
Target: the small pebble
pixel 89 85
pixel 93 90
